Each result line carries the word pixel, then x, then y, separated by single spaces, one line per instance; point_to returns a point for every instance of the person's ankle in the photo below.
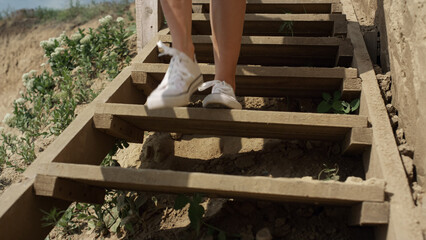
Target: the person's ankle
pixel 188 50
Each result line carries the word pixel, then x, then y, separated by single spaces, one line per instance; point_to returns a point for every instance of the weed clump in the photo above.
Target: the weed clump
pixel 48 104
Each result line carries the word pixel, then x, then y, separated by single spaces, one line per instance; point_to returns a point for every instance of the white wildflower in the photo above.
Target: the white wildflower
pixel 21 92
pixel 48 43
pixel 20 101
pixel 120 19
pixel 7 118
pixel 25 77
pixel 76 36
pixel 30 84
pixel 61 38
pixel 1 129
pixel 43 65
pixel 86 39
pixel 105 20
pixel 32 72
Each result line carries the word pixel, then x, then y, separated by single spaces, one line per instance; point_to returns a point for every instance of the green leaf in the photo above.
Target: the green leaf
pixel 180 202
pixel 323 107
pixel 195 214
pixel 115 226
pixel 337 106
pixel 354 104
pixel 336 95
pixel 347 107
pixel 221 235
pixel 326 96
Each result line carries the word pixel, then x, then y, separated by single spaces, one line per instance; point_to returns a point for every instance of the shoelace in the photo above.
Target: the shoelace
pixel 178 71
pixel 218 87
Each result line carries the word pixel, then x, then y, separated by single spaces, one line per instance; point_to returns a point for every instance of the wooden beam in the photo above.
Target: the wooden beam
pixel 384 160
pixel 274 6
pixel 264 81
pixel 118 128
pixel 357 140
pixel 278 189
pixel 69 190
pixel 369 214
pixel 258 24
pixel 351 89
pixel 279 51
pixel 244 123
pixel 148 21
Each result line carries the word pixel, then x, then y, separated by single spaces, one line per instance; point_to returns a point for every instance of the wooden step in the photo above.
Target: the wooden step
pixel 226 122
pixel 308 25
pixel 280 51
pixel 261 81
pixel 279 6
pixel 265 188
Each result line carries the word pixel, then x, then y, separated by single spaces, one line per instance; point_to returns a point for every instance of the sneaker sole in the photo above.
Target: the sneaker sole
pixel 155 102
pixel 219 100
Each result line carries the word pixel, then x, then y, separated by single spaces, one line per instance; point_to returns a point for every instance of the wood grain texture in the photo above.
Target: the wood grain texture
pixel 278 189
pixel 262 81
pixel 244 123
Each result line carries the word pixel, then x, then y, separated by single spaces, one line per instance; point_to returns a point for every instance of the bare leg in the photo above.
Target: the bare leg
pixel 178 16
pixel 227 21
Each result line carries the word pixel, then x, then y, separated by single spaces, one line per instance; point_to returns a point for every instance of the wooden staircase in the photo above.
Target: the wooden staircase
pixel 312 57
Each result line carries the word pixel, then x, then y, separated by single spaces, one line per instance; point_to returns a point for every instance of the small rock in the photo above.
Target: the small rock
pixel 244 161
pixel 400 136
pixel 408 165
pixel 394 121
pixel 263 234
pixel 388 96
pixel 406 150
pixel 354 179
pixel 307 178
pixel 390 108
pixel 176 136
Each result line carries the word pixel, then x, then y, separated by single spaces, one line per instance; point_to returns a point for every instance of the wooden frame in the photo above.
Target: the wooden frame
pixel 381 160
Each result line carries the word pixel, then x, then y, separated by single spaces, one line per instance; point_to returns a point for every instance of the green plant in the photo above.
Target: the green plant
pixel 331 173
pixel 333 103
pixel 62 219
pixel 195 211
pixel 195 214
pixel 287 26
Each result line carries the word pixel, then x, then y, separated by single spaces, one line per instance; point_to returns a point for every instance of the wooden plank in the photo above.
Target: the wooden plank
pixel 308 25
pixel 69 190
pixel 244 123
pixel 351 89
pixel 278 189
pixel 264 81
pixel 118 128
pixel 148 21
pixel 369 214
pixel 277 6
pixel 357 140
pixel 384 159
pixel 279 51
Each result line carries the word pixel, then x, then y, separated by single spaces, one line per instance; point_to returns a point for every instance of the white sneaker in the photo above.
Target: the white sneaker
pixel 180 81
pixel 222 95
